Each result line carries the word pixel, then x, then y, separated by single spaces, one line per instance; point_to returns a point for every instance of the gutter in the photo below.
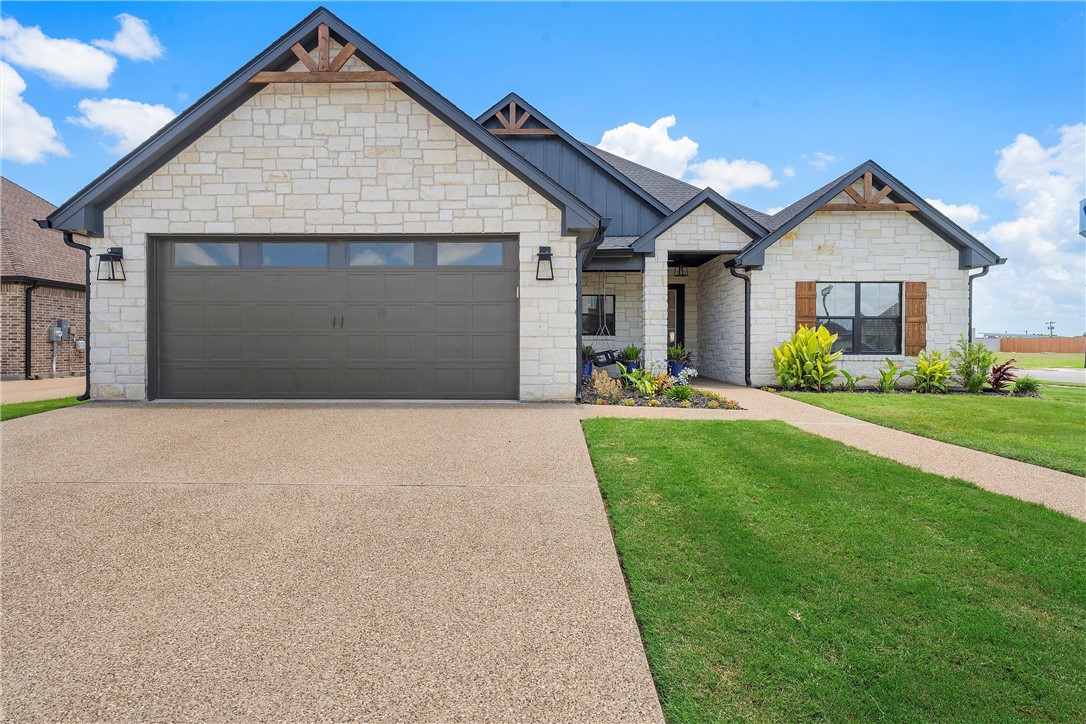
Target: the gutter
pixel 730 265
pixel 28 307
pixel 68 241
pixel 971 278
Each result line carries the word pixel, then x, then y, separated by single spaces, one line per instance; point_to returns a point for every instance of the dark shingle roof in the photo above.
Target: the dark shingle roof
pixel 672 192
pixel 617 242
pixel 789 212
pixel 28 251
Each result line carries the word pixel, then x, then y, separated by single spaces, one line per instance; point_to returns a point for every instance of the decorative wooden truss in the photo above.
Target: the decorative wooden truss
pixel 325 69
pixel 871 200
pixel 512 125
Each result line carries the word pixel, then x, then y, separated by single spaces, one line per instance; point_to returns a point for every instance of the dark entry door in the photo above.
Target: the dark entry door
pixel 419 319
pixel 676 314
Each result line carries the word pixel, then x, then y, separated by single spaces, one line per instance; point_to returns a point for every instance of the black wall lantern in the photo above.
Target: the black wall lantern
pixel 110 266
pixel 680 270
pixel 544 270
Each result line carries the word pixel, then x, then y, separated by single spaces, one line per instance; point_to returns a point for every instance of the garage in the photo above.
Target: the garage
pixel 338 318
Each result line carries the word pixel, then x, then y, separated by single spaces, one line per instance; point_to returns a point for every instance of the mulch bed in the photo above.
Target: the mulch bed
pixel 698 401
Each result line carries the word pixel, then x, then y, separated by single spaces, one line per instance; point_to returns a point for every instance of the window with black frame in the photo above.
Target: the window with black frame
pixel 598 315
pixel 865 316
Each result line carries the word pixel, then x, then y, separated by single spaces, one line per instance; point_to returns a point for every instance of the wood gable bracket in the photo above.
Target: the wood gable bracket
pixel 512 125
pixel 869 200
pixel 324 69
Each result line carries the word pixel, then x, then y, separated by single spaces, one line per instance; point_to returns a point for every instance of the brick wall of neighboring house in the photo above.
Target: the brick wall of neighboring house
pixel 49 304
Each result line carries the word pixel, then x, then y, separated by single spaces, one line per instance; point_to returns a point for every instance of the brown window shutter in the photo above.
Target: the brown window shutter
pixel 806 309
pixel 916 317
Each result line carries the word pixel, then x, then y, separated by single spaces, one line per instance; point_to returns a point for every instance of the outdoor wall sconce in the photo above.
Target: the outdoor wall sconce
pixel 110 266
pixel 544 270
pixel 680 270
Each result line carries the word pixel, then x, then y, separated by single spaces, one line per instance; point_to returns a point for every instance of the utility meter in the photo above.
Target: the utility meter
pixel 63 324
pixel 56 334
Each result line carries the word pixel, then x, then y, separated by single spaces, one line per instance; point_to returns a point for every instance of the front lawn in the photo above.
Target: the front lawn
pixel 1050 431
pixel 22 409
pixel 1037 360
pixel 781 576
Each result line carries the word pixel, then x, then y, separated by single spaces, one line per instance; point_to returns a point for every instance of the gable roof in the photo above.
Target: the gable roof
pixel 83 212
pixel 647 242
pixel 28 251
pixel 545 122
pixel 971 252
pixel 670 191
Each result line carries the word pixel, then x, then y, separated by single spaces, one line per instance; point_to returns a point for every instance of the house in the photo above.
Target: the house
pixel 42 283
pixel 323 224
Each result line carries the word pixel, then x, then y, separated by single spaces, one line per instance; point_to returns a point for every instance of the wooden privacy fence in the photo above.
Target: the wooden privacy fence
pixel 1043 344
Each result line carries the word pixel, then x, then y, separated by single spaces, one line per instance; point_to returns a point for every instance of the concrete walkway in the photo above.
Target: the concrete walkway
pixel 311 562
pixel 1056 374
pixel 12 391
pixel 1057 490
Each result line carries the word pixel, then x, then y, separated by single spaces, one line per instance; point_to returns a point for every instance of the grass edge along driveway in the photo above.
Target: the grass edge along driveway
pixel 777 575
pixel 1049 431
pixel 16 410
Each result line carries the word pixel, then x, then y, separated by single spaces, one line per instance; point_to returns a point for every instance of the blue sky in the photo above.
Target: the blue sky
pixel 977 105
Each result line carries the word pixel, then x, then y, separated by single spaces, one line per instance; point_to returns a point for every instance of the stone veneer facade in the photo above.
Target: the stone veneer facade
pixel 331 159
pixel 869 246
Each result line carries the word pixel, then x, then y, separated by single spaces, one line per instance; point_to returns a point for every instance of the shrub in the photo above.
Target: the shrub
pixel 1002 376
pixel 685 376
pixel 629 402
pixel 680 393
pixel 654 402
pixel 605 387
pixel 850 381
pixel 889 378
pixel 933 372
pixel 807 360
pixel 972 362
pixel 712 404
pixel 1027 387
pixel 686 403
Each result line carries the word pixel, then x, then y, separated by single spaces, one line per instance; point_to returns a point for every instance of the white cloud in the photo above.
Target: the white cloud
pixel 134 40
pixel 25 135
pixel 1046 272
pixel 774 209
pixel 965 215
pixel 789 171
pixel 65 61
pixel 819 160
pixel 726 176
pixel 653 146
pixel 129 122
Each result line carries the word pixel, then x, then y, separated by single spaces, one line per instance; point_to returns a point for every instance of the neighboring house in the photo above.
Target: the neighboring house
pixel 323 224
pixel 37 271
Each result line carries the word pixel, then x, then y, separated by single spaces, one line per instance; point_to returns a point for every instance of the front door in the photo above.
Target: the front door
pixel 676 314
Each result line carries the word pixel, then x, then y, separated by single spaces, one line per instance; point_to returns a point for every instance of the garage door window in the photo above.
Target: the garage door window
pixel 469 254
pixel 382 254
pixel 285 255
pixel 206 254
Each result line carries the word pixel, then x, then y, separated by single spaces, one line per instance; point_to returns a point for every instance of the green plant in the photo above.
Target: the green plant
pixel 678 353
pixel 1027 387
pixel 1002 375
pixel 933 372
pixel 889 378
pixel 629 402
pixel 606 387
pixel 631 353
pixel 654 402
pixel 643 381
pixel 680 393
pixel 713 405
pixel 972 362
pixel 850 381
pixel 686 404
pixel 807 360
pixel 587 352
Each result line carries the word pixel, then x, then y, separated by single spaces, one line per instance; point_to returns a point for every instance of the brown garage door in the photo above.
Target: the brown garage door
pixel 421 319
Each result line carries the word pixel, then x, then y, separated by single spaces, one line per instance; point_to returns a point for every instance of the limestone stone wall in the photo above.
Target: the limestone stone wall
pixel 866 246
pixel 302 159
pixel 721 330
pixel 626 287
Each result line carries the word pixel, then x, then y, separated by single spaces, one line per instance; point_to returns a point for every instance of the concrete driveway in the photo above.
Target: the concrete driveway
pixel 13 391
pixel 304 562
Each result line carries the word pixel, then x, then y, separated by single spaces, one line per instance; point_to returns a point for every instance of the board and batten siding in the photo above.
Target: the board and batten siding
pixel 328 159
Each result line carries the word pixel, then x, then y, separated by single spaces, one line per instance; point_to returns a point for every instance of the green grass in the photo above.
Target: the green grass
pixel 1050 431
pixel 1035 360
pixel 780 576
pixel 22 409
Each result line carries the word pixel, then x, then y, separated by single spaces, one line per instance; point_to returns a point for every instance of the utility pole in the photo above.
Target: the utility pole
pixel 1051 328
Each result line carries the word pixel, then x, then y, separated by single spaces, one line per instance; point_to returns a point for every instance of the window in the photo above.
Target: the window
pixel 205 254
pixel 598 315
pixel 273 254
pixel 865 316
pixel 382 254
pixel 487 253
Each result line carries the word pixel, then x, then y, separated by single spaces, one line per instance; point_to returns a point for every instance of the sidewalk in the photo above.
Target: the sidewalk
pixel 12 391
pixel 1057 490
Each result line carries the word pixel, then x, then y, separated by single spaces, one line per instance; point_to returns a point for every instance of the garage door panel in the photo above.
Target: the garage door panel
pixel 354 332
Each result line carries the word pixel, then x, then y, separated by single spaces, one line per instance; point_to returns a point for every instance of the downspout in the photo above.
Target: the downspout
pixel 746 320
pixel 971 278
pixel 28 307
pixel 588 249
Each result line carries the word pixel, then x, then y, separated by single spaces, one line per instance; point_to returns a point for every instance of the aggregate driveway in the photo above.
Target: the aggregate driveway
pixel 305 562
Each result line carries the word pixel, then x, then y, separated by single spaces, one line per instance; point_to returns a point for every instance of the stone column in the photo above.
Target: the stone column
pixel 654 307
